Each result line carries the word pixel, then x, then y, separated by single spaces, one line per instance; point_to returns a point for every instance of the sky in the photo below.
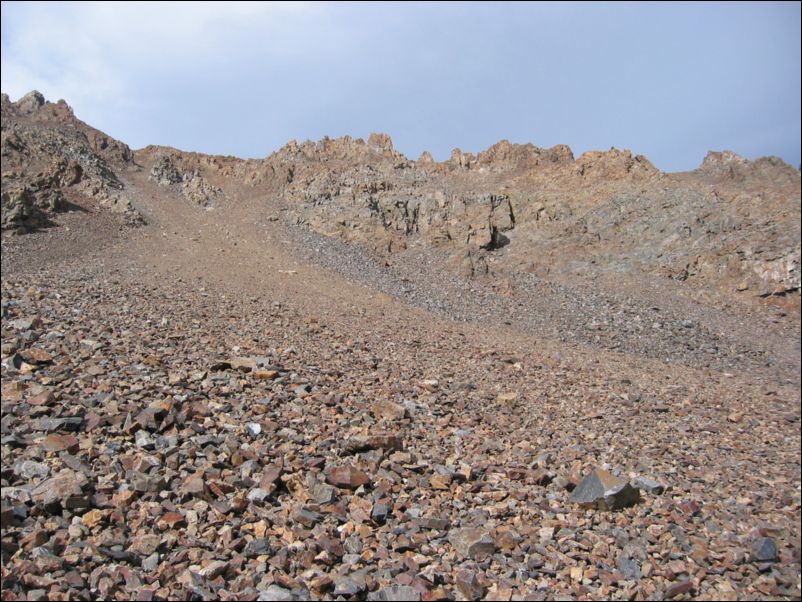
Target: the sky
pixel 667 80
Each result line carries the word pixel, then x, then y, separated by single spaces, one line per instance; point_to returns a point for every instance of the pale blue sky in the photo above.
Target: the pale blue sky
pixel 667 80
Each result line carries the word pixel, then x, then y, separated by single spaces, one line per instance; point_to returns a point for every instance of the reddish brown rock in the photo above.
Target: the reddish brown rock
pixel 59 443
pixel 45 398
pixel 677 589
pixel 389 410
pixel 346 477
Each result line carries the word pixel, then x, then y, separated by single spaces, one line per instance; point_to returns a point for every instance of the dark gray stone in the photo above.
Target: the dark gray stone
pixel 764 550
pixel 650 485
pixel 604 491
pixel 380 513
pixel 306 517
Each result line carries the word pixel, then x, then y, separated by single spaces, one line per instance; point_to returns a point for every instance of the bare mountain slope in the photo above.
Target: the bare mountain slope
pixel 732 224
pixel 336 373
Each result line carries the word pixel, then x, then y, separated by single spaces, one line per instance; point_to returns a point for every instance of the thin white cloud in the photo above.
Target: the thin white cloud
pixel 89 52
pixel 243 78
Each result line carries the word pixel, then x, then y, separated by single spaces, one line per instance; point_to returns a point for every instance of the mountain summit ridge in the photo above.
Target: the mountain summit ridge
pixel 731 223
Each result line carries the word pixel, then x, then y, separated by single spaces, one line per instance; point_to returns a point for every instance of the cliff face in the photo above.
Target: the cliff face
pixel 732 223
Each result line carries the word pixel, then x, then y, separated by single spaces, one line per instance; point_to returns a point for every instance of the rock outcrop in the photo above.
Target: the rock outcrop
pixel 732 225
pixel 192 185
pixel 53 162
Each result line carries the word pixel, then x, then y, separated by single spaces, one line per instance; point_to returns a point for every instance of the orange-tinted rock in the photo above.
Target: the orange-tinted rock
pixel 346 477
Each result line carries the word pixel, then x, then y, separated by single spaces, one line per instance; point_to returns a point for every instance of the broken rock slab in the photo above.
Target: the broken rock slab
pixel 650 485
pixel 346 477
pixel 471 542
pixel 64 486
pixel 603 490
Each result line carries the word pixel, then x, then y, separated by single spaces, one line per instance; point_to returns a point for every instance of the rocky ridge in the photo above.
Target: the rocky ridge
pixel 734 227
pixel 53 162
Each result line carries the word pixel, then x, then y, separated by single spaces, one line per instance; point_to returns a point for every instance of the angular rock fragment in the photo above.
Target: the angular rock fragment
pixel 472 542
pixel 389 410
pixel 144 545
pixel 602 490
pixel 258 495
pixel 346 477
pixel 144 440
pixel 257 547
pixel 395 593
pixel 689 507
pixel 438 524
pixel 29 469
pixel 629 568
pixel 764 549
pixel 347 587
pixel 380 513
pixel 213 569
pixel 59 443
pixel 468 585
pixel 649 485
pixel 194 485
pixel 677 589
pixel 306 517
pixel 361 443
pixel 322 493
pixel 65 486
pixel 92 518
pixel 275 593
pixel 35 355
pixel 26 323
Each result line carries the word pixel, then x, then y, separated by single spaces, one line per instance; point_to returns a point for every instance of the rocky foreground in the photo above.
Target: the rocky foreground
pixel 173 442
pixel 207 396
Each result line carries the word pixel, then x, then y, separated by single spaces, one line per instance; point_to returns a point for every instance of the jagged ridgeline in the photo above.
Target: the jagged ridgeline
pixel 732 223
